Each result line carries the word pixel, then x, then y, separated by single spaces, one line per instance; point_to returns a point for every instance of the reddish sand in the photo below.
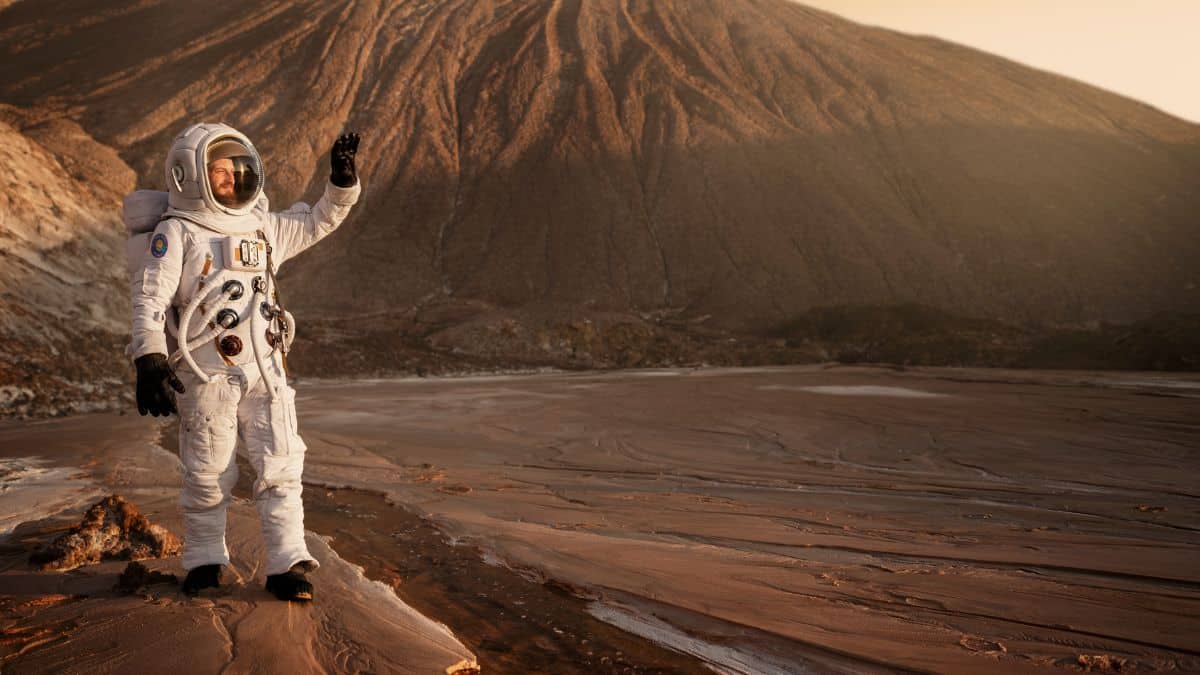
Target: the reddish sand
pixel 967 520
pixel 790 519
pixel 76 622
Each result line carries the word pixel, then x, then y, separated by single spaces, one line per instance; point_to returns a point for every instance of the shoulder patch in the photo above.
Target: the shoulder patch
pixel 158 245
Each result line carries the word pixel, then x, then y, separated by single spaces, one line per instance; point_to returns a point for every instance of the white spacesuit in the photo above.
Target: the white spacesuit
pixel 207 271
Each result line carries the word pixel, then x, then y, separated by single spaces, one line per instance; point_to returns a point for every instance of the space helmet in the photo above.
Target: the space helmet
pixel 214 168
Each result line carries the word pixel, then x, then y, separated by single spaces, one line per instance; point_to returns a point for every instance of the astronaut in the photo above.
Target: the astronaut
pixel 204 294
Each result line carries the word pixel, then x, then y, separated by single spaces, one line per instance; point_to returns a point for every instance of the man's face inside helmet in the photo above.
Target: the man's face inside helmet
pixel 234 180
pixel 220 178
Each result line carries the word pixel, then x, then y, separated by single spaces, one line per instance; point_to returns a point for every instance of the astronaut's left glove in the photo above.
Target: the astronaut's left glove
pixel 154 374
pixel 341 160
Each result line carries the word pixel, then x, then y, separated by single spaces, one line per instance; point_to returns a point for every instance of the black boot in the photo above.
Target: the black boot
pixel 291 585
pixel 204 576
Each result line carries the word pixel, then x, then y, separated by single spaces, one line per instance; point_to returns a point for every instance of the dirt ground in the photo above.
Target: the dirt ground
pixel 823 518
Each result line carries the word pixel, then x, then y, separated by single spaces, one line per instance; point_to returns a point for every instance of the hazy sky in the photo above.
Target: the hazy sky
pixel 1144 49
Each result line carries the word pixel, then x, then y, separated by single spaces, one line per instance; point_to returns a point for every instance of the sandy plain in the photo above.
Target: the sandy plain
pixel 798 519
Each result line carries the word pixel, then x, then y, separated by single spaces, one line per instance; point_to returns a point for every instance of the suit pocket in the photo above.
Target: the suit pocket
pixel 285 428
pixel 208 426
pixel 209 439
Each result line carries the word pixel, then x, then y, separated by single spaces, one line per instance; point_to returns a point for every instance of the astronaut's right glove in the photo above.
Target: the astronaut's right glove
pixel 341 160
pixel 153 376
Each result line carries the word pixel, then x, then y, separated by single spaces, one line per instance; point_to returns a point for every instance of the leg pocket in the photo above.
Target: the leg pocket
pixel 279 475
pixel 284 425
pixel 209 440
pixel 208 427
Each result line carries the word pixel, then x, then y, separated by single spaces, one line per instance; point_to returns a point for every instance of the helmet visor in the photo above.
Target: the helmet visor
pixel 234 173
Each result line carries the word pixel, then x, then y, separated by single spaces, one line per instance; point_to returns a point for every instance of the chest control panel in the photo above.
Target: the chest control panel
pixel 248 255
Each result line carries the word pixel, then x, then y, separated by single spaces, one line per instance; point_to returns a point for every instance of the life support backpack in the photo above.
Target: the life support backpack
pixel 142 210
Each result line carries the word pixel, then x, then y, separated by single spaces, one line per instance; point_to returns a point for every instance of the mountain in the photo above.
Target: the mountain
pixel 726 163
pixel 63 287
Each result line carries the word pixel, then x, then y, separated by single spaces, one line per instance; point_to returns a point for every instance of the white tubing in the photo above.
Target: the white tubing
pixel 257 333
pixel 289 328
pixel 195 342
pixel 185 321
pixel 174 327
pixel 213 331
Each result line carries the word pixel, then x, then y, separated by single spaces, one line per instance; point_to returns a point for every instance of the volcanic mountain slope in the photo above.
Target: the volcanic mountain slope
pixel 739 159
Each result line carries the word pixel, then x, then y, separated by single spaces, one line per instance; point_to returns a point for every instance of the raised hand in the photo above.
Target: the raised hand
pixel 341 160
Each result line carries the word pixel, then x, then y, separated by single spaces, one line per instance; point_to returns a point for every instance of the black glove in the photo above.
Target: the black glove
pixel 153 376
pixel 341 160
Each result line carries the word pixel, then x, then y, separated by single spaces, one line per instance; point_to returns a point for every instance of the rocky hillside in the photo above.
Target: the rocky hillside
pixel 726 163
pixel 63 281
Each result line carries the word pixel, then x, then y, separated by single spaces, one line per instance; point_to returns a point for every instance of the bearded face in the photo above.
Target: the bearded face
pixel 221 179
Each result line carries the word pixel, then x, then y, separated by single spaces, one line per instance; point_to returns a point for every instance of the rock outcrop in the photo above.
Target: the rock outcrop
pixel 64 298
pixel 112 529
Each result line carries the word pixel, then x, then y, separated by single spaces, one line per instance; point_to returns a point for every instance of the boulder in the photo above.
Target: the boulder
pixel 112 529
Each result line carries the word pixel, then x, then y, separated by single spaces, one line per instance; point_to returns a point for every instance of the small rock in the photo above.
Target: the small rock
pixel 463 667
pixel 1104 663
pixel 982 645
pixel 137 576
pixel 457 489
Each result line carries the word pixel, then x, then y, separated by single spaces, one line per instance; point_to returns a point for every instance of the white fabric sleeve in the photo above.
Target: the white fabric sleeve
pixel 153 287
pixel 302 225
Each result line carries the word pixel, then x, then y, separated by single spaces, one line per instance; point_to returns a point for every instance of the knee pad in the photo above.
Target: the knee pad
pixel 202 491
